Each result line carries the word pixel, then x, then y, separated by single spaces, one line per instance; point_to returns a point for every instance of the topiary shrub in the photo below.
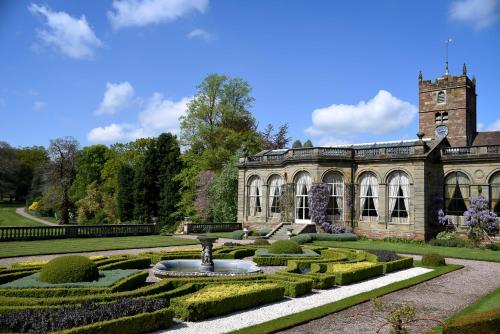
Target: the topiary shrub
pixel 261 242
pixel 285 247
pixel 264 231
pixel 433 260
pixel 69 269
pixel 237 235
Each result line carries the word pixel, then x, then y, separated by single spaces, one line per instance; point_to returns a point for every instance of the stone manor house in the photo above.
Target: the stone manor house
pixel 384 189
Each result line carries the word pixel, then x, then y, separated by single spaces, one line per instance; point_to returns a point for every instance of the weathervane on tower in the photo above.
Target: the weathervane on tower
pixel 447 44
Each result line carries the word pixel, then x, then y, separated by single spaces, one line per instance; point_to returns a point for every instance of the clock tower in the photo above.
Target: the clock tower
pixel 447 108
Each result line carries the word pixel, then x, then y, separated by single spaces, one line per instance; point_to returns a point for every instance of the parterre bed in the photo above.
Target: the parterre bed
pixel 191 298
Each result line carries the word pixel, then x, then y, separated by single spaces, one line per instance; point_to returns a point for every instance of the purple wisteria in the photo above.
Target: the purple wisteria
pixel 480 219
pixel 335 228
pixel 318 203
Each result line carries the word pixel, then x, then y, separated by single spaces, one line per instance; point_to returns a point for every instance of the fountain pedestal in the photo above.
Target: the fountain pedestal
pixel 207 262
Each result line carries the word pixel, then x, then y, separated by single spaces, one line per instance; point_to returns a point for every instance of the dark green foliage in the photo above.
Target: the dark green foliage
pixel 237 235
pixel 285 247
pixel 91 160
pixel 348 277
pixel 48 320
pixel 264 231
pixel 457 242
pixel 69 269
pixel 487 322
pixel 384 255
pixel 404 241
pixel 402 263
pixel 493 247
pixel 195 311
pixel 320 280
pixel 308 144
pixel 223 192
pixel 297 144
pixel 170 165
pixel 11 276
pixel 133 263
pixel 261 242
pixel 125 193
pixel 433 260
pixel 275 260
pixel 302 238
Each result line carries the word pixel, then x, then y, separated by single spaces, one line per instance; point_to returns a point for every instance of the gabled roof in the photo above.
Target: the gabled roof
pixel 487 138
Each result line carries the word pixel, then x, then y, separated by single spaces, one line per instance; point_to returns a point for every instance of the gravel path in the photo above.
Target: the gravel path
pixel 438 298
pixel 22 212
pixel 289 306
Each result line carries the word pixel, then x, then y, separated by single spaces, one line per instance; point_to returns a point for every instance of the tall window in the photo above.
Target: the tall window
pixel 495 193
pixel 302 186
pixel 335 207
pixel 275 183
pixel 255 196
pixel 441 97
pixel 399 197
pixel 368 197
pixel 456 192
pixel 445 116
pixel 438 117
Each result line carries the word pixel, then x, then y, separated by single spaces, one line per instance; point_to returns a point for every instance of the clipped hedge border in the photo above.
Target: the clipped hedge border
pixel 353 276
pixel 134 263
pixel 125 284
pixel 194 311
pixel 485 322
pixel 320 281
pixel 135 324
pixel 403 263
pixel 12 276
pixel 294 287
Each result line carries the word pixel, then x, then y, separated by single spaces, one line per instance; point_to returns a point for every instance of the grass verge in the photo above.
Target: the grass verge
pixel 61 246
pixel 318 312
pixel 487 302
pixel 453 252
pixel 9 217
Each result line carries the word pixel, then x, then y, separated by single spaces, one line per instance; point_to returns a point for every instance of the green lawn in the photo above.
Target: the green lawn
pixel 226 235
pixel 57 246
pixel 9 217
pixel 455 252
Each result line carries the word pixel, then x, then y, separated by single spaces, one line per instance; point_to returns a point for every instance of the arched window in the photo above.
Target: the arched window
pixel 495 193
pixel 456 193
pixel 368 197
pixel 445 116
pixel 399 197
pixel 255 196
pixel 335 207
pixel 275 182
pixel 441 97
pixel 438 117
pixel 302 186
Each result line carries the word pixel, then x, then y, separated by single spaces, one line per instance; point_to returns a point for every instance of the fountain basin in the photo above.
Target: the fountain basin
pixel 195 268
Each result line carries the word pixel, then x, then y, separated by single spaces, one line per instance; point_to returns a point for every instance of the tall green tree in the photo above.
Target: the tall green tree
pixel 62 168
pixel 297 144
pixel 91 161
pixel 125 193
pixel 30 160
pixel 224 192
pixel 308 143
pixel 218 122
pixel 170 165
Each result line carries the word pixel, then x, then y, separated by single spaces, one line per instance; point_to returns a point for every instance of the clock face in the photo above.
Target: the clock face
pixel 441 131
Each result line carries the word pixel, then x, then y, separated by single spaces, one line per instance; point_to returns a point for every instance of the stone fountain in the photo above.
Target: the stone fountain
pixel 207 266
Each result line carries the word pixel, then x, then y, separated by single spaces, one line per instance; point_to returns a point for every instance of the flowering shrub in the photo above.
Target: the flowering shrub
pixel 446 235
pixel 335 228
pixel 480 219
pixel 445 220
pixel 34 206
pixel 318 203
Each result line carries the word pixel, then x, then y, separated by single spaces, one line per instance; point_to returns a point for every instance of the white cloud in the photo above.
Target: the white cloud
pixel 118 96
pixel 72 36
pixel 200 33
pixel 39 105
pixel 129 13
pixel 160 115
pixel 382 114
pixel 479 13
pixel 480 126
pixel 495 126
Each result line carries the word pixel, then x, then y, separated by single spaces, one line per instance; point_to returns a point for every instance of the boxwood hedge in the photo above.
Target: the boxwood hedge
pixel 486 322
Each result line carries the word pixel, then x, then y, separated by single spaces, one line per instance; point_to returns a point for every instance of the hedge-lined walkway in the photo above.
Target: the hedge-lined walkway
pixel 438 298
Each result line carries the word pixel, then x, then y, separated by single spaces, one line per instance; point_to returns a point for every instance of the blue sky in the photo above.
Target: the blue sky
pixel 335 71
